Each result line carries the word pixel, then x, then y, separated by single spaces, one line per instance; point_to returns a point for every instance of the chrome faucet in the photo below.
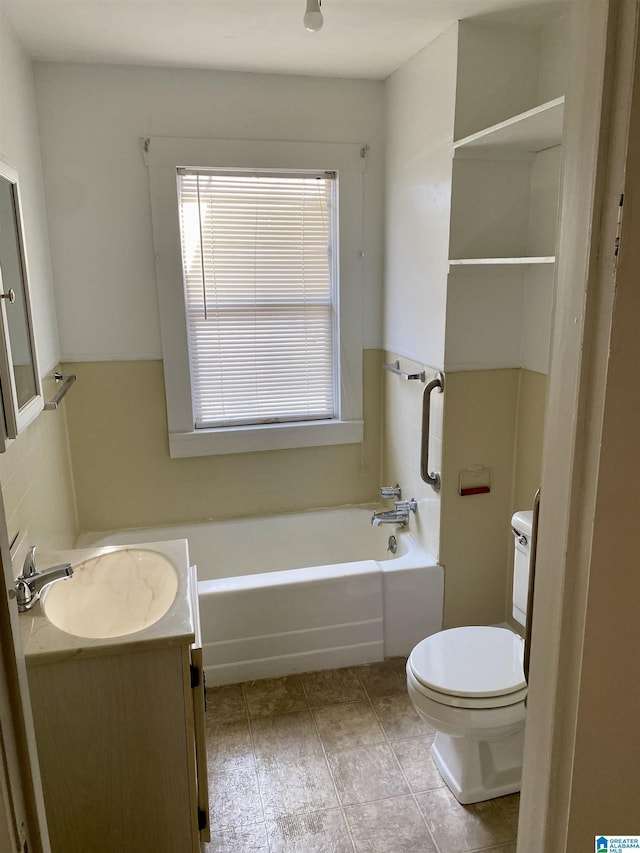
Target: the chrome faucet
pixel 388 492
pixel 398 515
pixel 31 582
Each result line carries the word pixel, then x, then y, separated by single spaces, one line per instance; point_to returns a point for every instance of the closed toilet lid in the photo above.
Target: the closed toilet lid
pixel 477 661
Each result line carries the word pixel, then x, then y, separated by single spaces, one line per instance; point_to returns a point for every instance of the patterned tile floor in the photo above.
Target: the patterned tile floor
pixel 336 762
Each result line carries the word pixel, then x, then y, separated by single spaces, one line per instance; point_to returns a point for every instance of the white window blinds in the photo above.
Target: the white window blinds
pixel 258 253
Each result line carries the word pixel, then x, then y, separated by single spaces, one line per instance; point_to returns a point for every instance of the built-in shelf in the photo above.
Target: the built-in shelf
pixel 477 262
pixel 528 133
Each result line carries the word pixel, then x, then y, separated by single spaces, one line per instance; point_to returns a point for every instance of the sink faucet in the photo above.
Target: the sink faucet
pixel 31 582
pixel 398 515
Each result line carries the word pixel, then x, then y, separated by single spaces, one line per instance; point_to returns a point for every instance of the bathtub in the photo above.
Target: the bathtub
pixel 305 591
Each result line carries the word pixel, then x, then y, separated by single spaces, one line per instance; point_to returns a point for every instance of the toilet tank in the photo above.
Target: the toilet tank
pixel 521 523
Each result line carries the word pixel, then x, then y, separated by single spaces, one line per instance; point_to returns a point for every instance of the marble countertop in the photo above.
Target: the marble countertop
pixel 43 642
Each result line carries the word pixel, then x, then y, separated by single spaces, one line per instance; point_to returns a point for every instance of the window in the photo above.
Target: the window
pixel 260 292
pixel 259 273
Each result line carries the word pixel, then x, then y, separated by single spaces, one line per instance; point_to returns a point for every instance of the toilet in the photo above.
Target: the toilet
pixel 468 683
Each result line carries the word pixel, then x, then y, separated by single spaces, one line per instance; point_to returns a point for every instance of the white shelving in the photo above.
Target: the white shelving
pixel 522 261
pixel 525 134
pixel 504 197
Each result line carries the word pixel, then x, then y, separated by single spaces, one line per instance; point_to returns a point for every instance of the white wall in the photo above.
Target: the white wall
pixel 92 118
pixel 420 115
pixel 553 74
pixel 497 74
pixel 19 147
pixel 35 471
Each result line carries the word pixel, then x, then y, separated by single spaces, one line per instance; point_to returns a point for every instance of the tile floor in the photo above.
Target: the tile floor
pixel 336 762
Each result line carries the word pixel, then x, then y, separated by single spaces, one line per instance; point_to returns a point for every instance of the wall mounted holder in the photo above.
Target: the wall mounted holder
pixel 66 381
pixel 395 368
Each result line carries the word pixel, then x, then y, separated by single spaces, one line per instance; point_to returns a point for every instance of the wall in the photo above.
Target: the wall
pixel 402 447
pixel 125 478
pixel 493 419
pixel 420 114
pixel 527 461
pixel 479 433
pixel 420 101
pixel 92 119
pixel 35 471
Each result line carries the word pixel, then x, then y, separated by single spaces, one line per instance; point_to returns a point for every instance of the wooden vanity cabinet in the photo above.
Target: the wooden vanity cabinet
pixel 122 750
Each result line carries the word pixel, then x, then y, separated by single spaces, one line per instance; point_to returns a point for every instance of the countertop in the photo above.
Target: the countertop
pixel 43 642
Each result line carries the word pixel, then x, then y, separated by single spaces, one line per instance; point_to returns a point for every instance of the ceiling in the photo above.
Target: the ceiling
pixel 360 38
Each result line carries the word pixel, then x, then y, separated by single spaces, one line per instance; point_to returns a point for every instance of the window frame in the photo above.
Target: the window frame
pixel 163 157
pixel 201 290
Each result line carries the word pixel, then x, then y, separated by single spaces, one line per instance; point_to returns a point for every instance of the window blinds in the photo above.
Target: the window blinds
pixel 258 259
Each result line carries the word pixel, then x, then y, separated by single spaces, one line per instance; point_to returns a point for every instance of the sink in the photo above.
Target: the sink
pixel 112 595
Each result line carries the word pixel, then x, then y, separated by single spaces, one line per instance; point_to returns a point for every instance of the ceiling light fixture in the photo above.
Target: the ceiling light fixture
pixel 313 19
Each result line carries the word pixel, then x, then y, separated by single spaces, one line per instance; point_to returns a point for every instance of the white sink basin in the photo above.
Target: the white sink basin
pixel 112 595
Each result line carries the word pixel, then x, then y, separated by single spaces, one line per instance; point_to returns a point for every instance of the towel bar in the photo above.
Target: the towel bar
pixel 395 368
pixel 67 381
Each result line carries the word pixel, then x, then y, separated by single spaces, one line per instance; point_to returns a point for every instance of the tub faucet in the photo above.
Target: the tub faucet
pixel 388 492
pixel 398 515
pixel 31 582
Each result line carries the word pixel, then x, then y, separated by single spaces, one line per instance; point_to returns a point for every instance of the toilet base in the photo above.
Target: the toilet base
pixel 476 770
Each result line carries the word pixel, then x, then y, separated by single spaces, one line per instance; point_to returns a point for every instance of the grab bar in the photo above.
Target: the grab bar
pixel 430 477
pixel 532 582
pixel 395 368
pixel 67 381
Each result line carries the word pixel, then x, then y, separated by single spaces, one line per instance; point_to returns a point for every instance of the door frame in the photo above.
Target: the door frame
pixel 603 49
pixel 23 824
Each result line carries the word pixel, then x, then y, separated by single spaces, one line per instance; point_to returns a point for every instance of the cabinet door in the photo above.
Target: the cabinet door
pixel 19 375
pixel 115 746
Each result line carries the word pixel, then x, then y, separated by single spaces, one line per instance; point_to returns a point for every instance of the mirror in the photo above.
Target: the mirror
pixel 19 376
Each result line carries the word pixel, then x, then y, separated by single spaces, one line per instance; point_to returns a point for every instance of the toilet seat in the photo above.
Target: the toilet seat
pixel 471 667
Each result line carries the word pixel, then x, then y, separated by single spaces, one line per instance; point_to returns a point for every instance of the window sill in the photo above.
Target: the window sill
pixel 248 439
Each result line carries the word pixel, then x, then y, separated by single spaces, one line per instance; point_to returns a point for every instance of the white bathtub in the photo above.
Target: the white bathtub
pixel 305 591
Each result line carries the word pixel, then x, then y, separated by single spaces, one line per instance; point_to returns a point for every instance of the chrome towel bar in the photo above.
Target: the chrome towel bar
pixel 430 477
pixel 395 368
pixel 66 381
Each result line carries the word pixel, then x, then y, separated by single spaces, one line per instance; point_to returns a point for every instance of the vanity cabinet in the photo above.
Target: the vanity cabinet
pixel 121 745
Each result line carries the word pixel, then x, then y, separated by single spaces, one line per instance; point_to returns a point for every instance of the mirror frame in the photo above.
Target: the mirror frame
pixel 15 418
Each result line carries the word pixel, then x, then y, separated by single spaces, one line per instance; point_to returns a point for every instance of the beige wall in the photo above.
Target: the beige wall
pixel 527 459
pixel 527 464
pixel 492 419
pixel 475 547
pixel 125 478
pixel 489 419
pixel 402 443
pixel 37 486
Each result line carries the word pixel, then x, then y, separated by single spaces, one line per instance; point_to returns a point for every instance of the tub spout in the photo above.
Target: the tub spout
pixel 398 515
